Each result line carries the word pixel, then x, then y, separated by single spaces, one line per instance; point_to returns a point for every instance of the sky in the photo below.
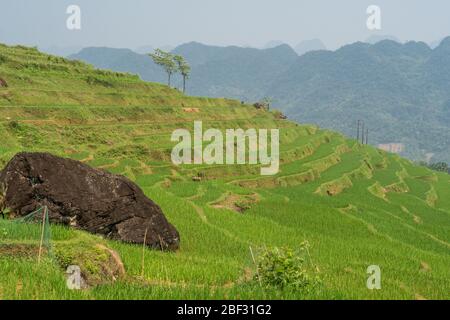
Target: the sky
pixel 135 23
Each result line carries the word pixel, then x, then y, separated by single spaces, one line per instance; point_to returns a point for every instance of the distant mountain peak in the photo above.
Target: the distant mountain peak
pixel 387 42
pixel 352 46
pixel 388 46
pixel 273 44
pixel 445 43
pixel 309 45
pixel 373 39
pixel 281 47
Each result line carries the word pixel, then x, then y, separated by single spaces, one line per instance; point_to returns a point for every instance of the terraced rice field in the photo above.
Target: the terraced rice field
pixel 356 206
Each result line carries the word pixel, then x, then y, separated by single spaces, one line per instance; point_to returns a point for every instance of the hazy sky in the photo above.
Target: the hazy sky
pixel 133 23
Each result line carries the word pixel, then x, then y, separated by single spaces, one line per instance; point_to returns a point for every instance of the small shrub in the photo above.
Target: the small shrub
pixel 285 268
pixel 14 125
pixel 3 233
pixel 440 166
pixel 3 58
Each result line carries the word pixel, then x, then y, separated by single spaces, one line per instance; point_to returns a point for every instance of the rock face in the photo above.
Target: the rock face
pixel 86 198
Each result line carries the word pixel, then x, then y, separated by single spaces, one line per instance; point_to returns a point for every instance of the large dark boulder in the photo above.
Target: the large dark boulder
pixel 86 198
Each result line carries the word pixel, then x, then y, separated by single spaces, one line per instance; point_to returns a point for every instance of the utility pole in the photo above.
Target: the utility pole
pixel 367 136
pixel 362 138
pixel 359 125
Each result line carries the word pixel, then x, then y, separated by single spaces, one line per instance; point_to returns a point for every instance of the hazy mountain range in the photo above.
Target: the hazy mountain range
pixel 399 90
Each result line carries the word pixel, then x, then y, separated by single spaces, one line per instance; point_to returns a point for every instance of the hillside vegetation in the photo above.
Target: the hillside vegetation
pixel 399 90
pixel 356 206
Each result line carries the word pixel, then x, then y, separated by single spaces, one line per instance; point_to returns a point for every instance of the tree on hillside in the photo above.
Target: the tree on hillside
pixel 166 61
pixel 183 68
pixel 439 166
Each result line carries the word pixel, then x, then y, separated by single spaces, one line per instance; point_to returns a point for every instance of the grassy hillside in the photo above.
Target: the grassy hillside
pixel 355 205
pixel 399 90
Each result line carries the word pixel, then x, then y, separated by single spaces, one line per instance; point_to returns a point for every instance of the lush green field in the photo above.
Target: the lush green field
pixel 355 205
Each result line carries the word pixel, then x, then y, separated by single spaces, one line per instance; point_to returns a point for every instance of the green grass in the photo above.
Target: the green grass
pixel 117 122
